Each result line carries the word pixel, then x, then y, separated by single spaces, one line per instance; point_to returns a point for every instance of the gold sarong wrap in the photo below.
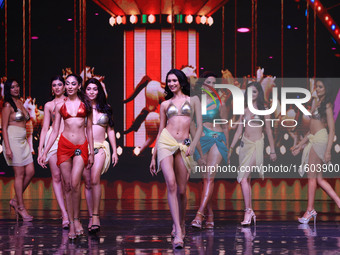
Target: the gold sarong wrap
pixel 106 147
pixel 167 146
pixel 18 144
pixel 54 147
pixel 319 143
pixel 247 152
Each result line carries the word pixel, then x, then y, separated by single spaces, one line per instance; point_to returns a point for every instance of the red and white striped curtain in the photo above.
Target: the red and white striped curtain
pixel 148 52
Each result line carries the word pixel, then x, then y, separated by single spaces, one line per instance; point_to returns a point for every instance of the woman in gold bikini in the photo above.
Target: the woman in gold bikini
pixel 173 147
pixel 102 125
pixel 17 152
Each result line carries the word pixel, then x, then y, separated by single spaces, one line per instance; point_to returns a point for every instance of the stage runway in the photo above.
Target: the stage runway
pixel 144 226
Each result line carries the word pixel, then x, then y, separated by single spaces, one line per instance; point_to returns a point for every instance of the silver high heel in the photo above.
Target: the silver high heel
pixel 252 216
pixel 311 214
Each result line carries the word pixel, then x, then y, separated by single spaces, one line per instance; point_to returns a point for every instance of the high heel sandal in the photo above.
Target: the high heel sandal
pixel 179 244
pixel 173 232
pixel 89 227
pixel 72 237
pixel 197 223
pixel 20 212
pixel 252 216
pixel 209 224
pixel 13 205
pixel 95 228
pixel 311 214
pixel 79 232
pixel 65 223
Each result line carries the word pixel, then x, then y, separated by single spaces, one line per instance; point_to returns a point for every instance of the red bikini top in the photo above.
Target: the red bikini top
pixel 81 111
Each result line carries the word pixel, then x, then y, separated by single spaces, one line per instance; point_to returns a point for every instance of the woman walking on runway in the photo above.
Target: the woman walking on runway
pixel 252 146
pixel 172 146
pixel 102 125
pixel 58 90
pixel 73 147
pixel 214 144
pixel 17 151
pixel 318 149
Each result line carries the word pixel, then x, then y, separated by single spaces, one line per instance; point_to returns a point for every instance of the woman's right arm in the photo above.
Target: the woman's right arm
pixel 236 137
pixel 162 125
pixel 52 138
pixel 46 124
pixel 6 111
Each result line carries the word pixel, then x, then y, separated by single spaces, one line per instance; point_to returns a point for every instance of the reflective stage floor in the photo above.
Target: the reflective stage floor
pixel 144 226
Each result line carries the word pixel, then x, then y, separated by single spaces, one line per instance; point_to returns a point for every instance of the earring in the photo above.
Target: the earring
pixel 52 93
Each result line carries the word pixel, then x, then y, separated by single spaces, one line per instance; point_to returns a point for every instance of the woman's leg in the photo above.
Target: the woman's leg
pixel 77 171
pixel 28 175
pixel 181 174
pixel 214 158
pixel 57 183
pixel 88 194
pixel 66 170
pixel 96 169
pixel 19 175
pixel 170 179
pixel 246 188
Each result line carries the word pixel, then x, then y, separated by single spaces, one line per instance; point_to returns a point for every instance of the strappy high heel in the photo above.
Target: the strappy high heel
pixel 13 205
pixel 89 227
pixel 72 237
pixel 95 228
pixel 311 214
pixel 209 224
pixel 65 223
pixel 197 223
pixel 252 216
pixel 179 244
pixel 20 212
pixel 79 232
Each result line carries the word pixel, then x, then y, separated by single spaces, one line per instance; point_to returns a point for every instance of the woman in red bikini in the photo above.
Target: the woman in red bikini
pixel 72 154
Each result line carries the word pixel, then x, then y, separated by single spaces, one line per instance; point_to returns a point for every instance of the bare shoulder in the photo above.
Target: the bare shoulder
pixel 7 105
pixel 165 104
pixel 48 105
pixel 329 106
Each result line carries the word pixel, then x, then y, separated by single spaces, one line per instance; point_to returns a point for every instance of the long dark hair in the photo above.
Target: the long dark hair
pixel 7 92
pixel 57 78
pixel 329 97
pixel 201 80
pixel 260 96
pixel 183 81
pixel 259 99
pixel 101 104
pixel 81 93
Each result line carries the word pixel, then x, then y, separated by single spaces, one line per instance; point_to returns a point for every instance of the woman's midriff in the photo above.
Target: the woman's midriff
pixel 179 127
pixel 316 125
pixel 253 133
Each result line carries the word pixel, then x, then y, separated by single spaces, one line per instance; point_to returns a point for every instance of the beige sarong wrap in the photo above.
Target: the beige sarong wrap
pixel 319 143
pixel 54 147
pixel 106 147
pixel 247 152
pixel 21 151
pixel 167 146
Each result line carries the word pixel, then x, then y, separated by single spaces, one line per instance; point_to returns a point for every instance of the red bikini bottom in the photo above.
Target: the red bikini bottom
pixel 67 150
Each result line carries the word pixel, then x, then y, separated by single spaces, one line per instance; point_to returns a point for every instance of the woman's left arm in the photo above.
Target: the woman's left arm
pixel 269 132
pixel 112 138
pixel 331 129
pixel 199 126
pixel 89 134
